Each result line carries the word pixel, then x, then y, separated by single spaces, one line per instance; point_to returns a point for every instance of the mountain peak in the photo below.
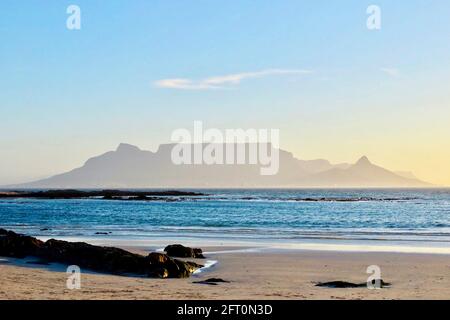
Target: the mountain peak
pixel 363 161
pixel 125 147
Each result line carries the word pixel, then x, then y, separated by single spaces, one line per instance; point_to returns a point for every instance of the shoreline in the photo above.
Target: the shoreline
pixel 356 246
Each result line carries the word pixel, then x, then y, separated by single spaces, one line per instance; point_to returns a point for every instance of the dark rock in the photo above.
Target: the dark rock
pixel 212 281
pixel 344 284
pixel 105 259
pixel 157 258
pixel 102 259
pixel 159 272
pixel 175 268
pixel 187 267
pixel 17 245
pixel 180 251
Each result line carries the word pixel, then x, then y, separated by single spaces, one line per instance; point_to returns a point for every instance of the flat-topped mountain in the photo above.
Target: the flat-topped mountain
pixel 130 167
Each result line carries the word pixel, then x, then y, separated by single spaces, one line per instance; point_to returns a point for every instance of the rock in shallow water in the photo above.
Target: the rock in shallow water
pixel 102 259
pixel 166 265
pixel 180 251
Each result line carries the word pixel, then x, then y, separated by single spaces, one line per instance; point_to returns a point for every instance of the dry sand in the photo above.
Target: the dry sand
pixel 262 275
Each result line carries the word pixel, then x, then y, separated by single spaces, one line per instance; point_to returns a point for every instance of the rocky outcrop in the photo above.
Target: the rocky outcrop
pixel 172 266
pixel 102 259
pixel 180 251
pixel 18 246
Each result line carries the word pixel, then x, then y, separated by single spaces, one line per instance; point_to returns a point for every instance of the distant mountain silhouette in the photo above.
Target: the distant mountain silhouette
pixel 406 174
pixel 130 167
pixel 362 174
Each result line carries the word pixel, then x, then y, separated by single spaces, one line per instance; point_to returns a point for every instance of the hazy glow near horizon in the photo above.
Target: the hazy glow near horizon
pixel 137 70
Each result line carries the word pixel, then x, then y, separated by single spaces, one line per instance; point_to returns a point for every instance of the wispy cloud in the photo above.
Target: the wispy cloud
pixel 393 72
pixel 225 81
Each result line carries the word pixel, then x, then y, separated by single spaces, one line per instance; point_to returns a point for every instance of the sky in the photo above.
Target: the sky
pixel 138 69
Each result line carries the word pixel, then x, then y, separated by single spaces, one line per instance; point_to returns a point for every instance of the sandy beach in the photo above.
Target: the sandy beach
pixel 253 275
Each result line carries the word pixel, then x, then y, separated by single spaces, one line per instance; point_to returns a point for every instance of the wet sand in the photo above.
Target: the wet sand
pixel 253 275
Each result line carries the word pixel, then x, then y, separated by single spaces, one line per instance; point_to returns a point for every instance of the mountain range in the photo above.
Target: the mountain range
pixel 130 167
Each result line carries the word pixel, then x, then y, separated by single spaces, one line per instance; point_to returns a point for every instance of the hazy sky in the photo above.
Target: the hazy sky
pixel 137 70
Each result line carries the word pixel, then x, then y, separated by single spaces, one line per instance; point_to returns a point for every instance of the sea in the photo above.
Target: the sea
pixel 398 220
